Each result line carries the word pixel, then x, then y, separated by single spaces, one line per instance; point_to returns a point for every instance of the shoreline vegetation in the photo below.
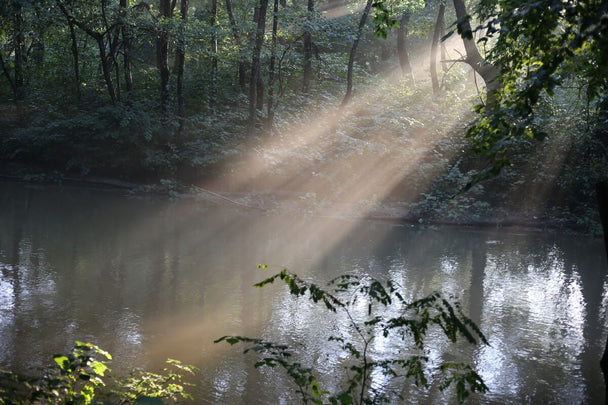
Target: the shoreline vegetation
pixel 282 202
pixel 396 158
pixel 375 106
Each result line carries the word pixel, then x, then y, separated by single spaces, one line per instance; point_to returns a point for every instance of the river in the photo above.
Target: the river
pixel 149 279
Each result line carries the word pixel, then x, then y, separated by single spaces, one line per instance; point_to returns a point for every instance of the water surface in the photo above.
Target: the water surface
pixel 151 279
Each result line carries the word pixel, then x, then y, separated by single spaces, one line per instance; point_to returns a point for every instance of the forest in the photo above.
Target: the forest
pixel 423 112
pixel 398 106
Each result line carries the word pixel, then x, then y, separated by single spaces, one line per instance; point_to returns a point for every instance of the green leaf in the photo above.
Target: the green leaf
pixel 62 361
pixel 345 398
pixel 99 368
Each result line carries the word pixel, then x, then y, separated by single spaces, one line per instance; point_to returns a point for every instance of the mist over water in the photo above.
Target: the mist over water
pixel 151 279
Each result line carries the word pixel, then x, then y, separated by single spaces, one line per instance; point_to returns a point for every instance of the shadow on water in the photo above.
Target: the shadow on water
pixel 153 279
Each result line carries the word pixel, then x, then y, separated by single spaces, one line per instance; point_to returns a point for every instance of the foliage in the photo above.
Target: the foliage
pixel 539 46
pixel 382 20
pixel 145 384
pixel 80 373
pixel 82 377
pixel 386 313
pixel 67 126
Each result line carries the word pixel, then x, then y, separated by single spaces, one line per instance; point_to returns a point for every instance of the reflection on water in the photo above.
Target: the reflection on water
pixel 545 302
pixel 150 280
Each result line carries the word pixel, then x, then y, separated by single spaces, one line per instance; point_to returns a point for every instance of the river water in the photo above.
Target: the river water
pixel 151 279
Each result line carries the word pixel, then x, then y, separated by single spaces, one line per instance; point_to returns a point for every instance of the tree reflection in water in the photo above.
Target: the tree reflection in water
pixel 160 279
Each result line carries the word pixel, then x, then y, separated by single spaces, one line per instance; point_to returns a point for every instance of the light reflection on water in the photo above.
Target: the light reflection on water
pixel 542 356
pixel 149 280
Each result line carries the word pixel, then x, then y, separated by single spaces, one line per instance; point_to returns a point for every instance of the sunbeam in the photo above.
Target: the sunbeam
pixel 328 164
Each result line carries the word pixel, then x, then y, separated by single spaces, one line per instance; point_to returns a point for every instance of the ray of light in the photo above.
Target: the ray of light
pixel 365 174
pixel 542 168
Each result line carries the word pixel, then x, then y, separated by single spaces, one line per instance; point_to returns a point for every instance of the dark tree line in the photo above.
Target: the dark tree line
pixel 159 76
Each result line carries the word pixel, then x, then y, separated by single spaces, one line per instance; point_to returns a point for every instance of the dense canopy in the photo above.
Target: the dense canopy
pixel 193 91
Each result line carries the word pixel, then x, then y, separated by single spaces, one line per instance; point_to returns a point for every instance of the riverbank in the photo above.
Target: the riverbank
pixel 286 202
pixel 282 202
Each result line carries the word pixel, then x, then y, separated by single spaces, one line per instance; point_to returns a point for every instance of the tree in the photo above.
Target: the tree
pixel 353 52
pixel 213 51
pixel 127 41
pixel 19 48
pixel 271 68
pixel 180 61
pixel 486 69
pixel 535 47
pixel 237 38
pixel 434 45
pixel 15 59
pixel 76 57
pixel 403 48
pixel 537 50
pixel 308 47
pixel 162 52
pixel 384 21
pixel 103 37
pixel 256 66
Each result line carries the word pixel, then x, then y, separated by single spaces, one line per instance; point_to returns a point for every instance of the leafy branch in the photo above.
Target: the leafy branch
pixel 345 294
pixel 80 377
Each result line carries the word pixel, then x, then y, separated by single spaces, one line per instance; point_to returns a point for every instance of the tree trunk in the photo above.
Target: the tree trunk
pixel 259 84
pixel 213 23
pixel 105 53
pixel 256 70
pixel 271 69
pixel 402 49
pixel 237 38
pixel 162 56
pixel 117 78
pixel 434 45
pixel 112 34
pixel 353 52
pixel 106 67
pixel 307 37
pixel 180 61
pixel 37 49
pixel 443 50
pixel 126 48
pixel 488 72
pixel 75 57
pixel 7 74
pixel 19 49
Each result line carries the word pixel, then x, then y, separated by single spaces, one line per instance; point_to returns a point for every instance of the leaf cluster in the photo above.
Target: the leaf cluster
pixel 82 377
pixel 169 384
pixel 383 21
pixel 538 47
pixel 387 313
